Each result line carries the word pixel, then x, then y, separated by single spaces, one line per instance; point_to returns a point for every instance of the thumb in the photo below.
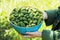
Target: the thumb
pixel 30 33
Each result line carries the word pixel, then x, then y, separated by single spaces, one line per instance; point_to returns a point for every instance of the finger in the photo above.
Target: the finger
pixel 27 36
pixel 37 34
pixel 30 33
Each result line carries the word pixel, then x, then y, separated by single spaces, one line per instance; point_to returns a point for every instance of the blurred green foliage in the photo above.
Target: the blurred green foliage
pixel 6 6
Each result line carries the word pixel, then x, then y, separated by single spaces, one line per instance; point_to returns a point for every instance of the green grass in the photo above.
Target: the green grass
pixel 6 7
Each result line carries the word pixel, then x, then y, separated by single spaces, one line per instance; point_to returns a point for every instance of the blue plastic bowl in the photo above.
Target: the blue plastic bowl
pixel 23 30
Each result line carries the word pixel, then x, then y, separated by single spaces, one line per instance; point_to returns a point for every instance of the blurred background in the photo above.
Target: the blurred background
pixel 6 6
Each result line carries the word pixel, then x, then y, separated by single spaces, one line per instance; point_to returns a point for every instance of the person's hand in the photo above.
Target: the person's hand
pixel 33 34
